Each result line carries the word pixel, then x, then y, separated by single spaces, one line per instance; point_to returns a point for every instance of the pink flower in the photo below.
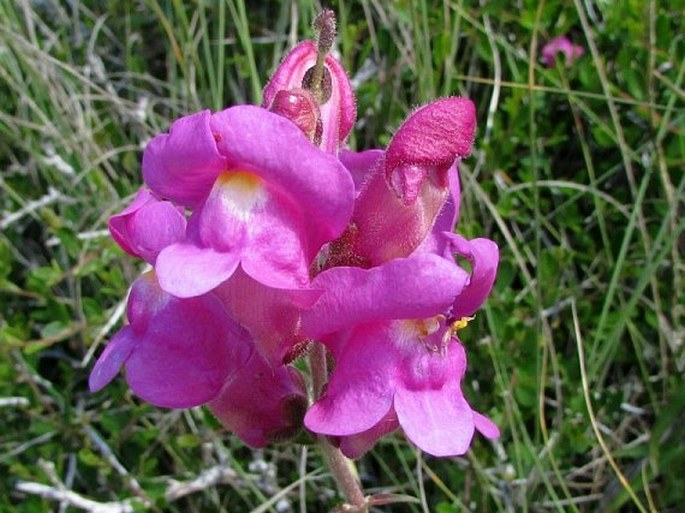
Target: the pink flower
pixel 561 44
pixel 147 226
pixel 181 353
pixel 404 189
pixel 263 197
pixel 291 240
pixel 398 360
pixel 178 353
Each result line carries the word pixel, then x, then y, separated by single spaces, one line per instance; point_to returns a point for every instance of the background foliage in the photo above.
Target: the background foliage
pixel 577 173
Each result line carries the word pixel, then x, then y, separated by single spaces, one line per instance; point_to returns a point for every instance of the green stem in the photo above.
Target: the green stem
pixel 343 469
pixel 345 474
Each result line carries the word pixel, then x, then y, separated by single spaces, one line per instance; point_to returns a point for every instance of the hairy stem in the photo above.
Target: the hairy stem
pixel 343 469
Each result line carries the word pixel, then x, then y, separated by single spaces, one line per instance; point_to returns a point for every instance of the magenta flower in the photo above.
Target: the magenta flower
pixel 147 226
pixel 398 360
pixel 405 188
pixel 181 353
pixel 178 353
pixel 561 44
pixel 267 237
pixel 263 197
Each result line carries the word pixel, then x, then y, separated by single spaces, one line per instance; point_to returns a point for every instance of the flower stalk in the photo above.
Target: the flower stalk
pixel 344 472
pixel 342 469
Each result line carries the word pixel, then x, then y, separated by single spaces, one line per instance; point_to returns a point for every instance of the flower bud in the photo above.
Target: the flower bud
pixel 427 144
pixel 299 106
pixel 408 186
pixel 335 99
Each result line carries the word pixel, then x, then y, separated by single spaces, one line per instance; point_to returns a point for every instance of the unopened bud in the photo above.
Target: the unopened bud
pixel 299 106
pixel 310 66
pixel 428 143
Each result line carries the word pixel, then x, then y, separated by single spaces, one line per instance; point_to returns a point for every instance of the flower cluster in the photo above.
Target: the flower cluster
pixel 265 236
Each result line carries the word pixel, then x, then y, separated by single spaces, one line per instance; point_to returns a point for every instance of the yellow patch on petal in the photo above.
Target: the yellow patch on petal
pixel 240 192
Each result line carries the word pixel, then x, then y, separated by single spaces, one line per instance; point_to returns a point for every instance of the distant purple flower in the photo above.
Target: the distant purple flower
pixel 398 360
pixel 561 44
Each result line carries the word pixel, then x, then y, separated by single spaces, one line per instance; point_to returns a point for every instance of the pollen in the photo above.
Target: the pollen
pixel 460 324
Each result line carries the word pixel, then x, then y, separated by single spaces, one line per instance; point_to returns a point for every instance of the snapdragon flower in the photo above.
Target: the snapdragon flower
pixel 392 330
pixel 263 197
pixel 186 352
pixel 405 188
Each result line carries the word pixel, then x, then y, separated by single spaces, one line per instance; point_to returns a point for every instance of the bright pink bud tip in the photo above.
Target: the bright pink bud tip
pixel 431 138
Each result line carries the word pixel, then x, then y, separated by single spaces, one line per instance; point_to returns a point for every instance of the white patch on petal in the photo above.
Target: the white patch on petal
pixel 408 333
pixel 240 193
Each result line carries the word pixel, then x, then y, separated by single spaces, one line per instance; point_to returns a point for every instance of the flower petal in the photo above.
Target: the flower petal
pixel 183 164
pixel 419 286
pixel 271 315
pixel 354 446
pixel 156 226
pixel 144 302
pixel 262 404
pixel 433 136
pixel 111 360
pixel 360 390
pixel 185 270
pixel 257 141
pixel 360 164
pixel 483 256
pixel 118 223
pixel 485 426
pixel 447 219
pixel 276 252
pixel 440 422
